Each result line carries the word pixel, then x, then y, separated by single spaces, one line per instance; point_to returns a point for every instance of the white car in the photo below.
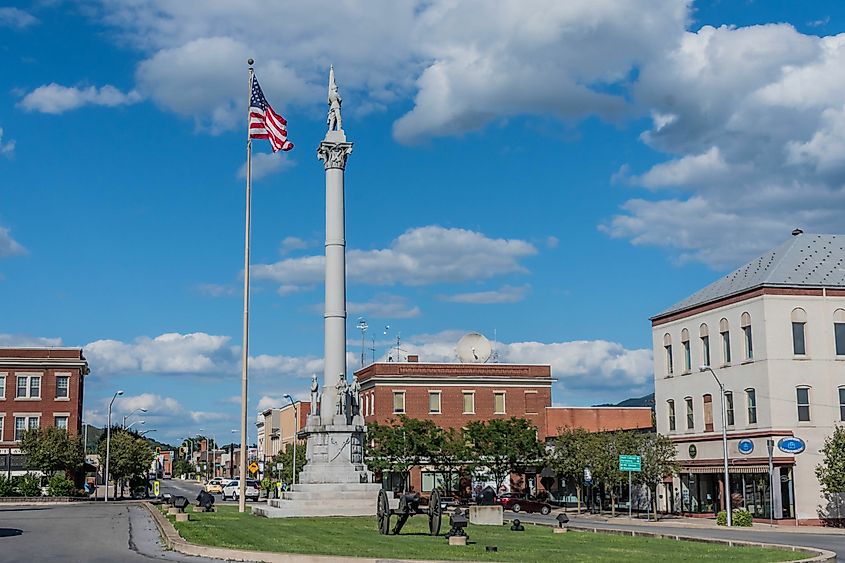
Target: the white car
pixel 231 490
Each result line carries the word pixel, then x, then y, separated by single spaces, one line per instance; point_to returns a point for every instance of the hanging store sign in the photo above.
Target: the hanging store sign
pixel 791 445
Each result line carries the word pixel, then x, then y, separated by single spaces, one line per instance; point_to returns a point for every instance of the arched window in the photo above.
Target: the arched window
pixel 799 322
pixel 687 351
pixel 708 412
pixel 690 414
pixel 725 333
pixel 667 345
pixel 729 408
pixel 803 402
pixel 839 331
pixel 842 403
pixel 671 408
pixel 705 344
pixel 745 323
pixel 751 402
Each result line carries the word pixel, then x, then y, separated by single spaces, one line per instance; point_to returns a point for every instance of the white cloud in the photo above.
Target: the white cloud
pixel 289 244
pixel 268 402
pixel 420 256
pixel 265 164
pixel 216 290
pixel 168 353
pixel 384 306
pixel 23 341
pixel 55 98
pixel 506 294
pixel 7 148
pixel 17 18
pixel 8 245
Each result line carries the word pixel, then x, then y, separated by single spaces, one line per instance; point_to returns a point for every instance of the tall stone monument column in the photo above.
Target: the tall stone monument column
pixel 335 481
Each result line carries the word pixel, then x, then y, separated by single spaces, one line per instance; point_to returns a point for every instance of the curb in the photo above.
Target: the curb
pixel 174 541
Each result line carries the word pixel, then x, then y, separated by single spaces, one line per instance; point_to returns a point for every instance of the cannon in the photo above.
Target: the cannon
pixel 409 505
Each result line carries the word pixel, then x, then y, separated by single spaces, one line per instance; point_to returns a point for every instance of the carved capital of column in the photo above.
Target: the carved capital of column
pixel 334 155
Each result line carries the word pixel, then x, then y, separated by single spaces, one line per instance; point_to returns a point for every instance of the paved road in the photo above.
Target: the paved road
pixel 833 542
pixel 84 532
pixel 190 489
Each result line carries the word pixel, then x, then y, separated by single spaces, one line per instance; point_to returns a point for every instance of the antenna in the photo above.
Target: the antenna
pixel 362 326
pixel 373 349
pixel 494 357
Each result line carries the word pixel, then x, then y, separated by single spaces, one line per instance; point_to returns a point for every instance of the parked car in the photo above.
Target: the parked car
pixel 215 486
pixel 519 503
pixel 231 490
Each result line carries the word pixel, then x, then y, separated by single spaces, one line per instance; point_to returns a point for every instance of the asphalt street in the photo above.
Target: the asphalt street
pixel 190 489
pixel 781 535
pixel 84 532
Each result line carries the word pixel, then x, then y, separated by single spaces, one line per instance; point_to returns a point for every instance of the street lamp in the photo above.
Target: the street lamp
pixel 134 423
pixel 146 431
pixel 727 491
pixel 108 443
pixel 295 425
pixel 130 414
pixel 232 455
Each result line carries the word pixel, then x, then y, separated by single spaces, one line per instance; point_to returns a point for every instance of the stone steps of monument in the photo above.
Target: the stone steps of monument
pixel 328 495
pixel 288 509
pixel 372 488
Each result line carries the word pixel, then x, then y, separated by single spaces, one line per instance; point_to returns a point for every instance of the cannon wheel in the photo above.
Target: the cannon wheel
pixel 383 513
pixel 435 511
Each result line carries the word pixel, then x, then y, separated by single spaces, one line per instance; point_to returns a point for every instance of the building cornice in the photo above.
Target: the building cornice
pixel 418 381
pixel 44 363
pixel 686 438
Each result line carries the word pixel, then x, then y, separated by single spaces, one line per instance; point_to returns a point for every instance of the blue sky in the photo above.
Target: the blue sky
pixel 551 173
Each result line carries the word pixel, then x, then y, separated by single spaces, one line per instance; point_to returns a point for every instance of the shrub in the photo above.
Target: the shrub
pixel 7 488
pixel 60 486
pixel 741 518
pixel 29 485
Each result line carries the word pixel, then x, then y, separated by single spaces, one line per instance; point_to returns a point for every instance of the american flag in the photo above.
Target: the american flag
pixel 264 123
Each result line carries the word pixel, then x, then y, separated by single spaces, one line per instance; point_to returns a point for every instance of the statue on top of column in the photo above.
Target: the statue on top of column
pixel 314 393
pixel 333 120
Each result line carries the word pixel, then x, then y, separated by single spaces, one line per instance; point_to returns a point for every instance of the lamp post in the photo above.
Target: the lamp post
pixel 232 455
pixel 108 443
pixel 130 414
pixel 146 431
pixel 295 425
pixel 727 490
pixel 142 422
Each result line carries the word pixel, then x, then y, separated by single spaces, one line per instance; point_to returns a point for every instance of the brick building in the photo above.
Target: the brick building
pixel 39 387
pixel 276 428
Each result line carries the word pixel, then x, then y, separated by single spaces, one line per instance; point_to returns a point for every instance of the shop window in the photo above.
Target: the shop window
pixel 398 402
pixel 671 405
pixel 729 408
pixel 799 323
pixel 751 401
pixel 803 401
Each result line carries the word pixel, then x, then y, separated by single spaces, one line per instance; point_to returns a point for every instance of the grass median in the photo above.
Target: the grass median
pixel 358 537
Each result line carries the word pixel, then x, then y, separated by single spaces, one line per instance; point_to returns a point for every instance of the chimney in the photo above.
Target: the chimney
pixel 797 232
pixel 413 358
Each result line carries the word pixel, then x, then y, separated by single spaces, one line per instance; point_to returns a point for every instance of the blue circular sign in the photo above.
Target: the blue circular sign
pixel 791 445
pixel 745 446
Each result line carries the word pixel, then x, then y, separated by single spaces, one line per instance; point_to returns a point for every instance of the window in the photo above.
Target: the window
pixel 842 403
pixel 705 345
pixel 839 331
pixel 62 386
pixel 729 408
pixel 725 333
pixel 499 402
pixel 2 389
pixel 29 387
pixel 803 401
pixel 708 412
pixel 434 402
pixel 751 401
pixel 469 402
pixel 687 354
pixel 532 403
pixel 667 345
pixel 671 404
pixel 799 321
pixel 61 422
pixel 690 417
pixel 398 402
pixel 746 333
pixel 24 423
pixel 1 427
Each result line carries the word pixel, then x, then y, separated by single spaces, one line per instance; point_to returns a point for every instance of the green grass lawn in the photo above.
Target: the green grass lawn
pixel 359 537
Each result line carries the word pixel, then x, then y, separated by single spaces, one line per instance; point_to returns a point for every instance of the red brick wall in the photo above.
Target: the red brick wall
pixel 47 406
pixel 597 419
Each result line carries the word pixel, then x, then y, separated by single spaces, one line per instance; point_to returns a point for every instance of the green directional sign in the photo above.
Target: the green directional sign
pixel 629 463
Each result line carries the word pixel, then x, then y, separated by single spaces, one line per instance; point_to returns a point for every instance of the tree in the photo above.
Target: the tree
pixel 452 456
pixel 831 472
pixel 606 449
pixel 286 459
pixel 130 455
pixel 52 449
pixel 570 454
pixel 404 444
pixel 183 467
pixel 504 446
pixel 657 454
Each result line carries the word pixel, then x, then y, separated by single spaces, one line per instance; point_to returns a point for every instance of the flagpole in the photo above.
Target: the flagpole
pixel 245 347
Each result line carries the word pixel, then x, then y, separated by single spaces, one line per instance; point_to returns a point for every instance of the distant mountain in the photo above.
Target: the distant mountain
pixel 645 401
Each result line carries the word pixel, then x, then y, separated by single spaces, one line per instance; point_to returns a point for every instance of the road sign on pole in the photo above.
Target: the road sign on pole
pixel 253 467
pixel 630 463
pixel 156 488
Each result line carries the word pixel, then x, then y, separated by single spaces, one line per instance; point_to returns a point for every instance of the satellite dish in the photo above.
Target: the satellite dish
pixel 474 348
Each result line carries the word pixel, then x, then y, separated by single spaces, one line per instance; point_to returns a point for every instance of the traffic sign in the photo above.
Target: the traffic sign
pixel 156 488
pixel 630 463
pixel 253 467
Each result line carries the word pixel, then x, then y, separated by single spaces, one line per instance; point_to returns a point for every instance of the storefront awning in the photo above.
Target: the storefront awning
pixel 731 469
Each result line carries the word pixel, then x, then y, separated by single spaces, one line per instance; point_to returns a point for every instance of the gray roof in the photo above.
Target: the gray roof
pixel 802 261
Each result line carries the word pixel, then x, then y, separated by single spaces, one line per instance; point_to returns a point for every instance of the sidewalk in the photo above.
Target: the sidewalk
pixel 672 521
